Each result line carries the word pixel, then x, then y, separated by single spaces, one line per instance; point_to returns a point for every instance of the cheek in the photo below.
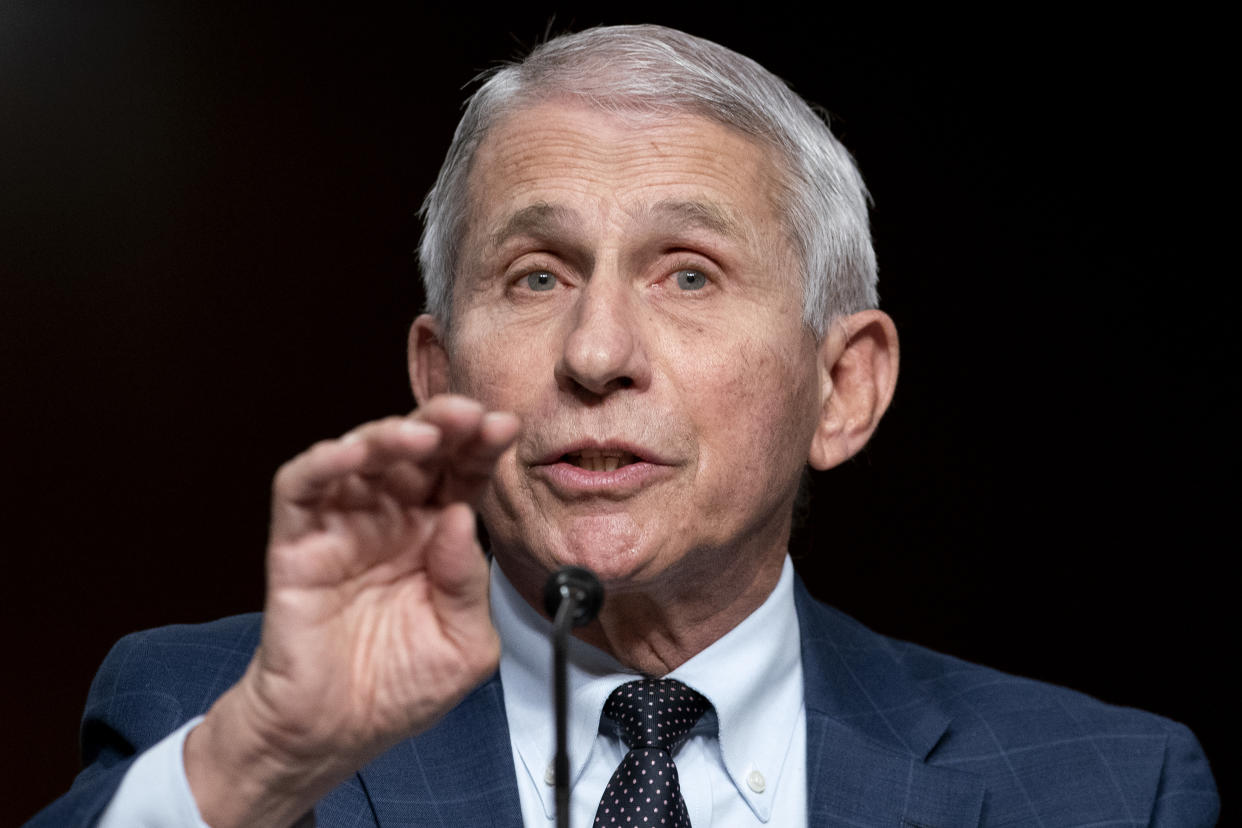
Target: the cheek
pixel 484 364
pixel 502 370
pixel 757 426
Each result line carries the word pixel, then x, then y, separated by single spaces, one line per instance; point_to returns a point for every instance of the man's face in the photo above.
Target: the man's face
pixel 628 290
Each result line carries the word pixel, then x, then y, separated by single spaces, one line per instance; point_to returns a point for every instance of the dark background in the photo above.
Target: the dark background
pixel 207 225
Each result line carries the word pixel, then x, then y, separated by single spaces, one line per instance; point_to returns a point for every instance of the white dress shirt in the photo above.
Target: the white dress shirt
pixel 752 773
pixel 155 792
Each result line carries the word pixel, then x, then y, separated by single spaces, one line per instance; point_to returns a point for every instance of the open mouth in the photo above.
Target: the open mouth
pixel 599 460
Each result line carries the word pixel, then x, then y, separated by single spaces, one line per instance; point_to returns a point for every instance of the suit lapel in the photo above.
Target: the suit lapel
pixel 870 728
pixel 458 773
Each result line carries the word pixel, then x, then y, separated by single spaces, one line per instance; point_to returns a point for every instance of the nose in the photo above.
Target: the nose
pixel 604 350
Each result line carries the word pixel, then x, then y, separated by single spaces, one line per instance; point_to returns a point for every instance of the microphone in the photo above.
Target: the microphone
pixel 579 585
pixel 573 597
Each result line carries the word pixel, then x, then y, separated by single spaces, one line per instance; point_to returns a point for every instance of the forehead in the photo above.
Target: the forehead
pixel 564 161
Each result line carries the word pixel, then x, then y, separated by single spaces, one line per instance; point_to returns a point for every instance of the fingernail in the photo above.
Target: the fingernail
pixel 415 427
pixel 494 417
pixel 468 403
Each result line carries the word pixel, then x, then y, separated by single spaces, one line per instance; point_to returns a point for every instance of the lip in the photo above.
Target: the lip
pixel 644 454
pixel 570 481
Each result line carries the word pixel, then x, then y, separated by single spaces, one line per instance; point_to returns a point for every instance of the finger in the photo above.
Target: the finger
pixel 475 460
pixel 409 484
pixel 318 560
pixel 477 454
pixel 456 566
pixel 361 451
pixel 307 476
pixel 456 416
pixel 464 422
pixel 394 440
pixel 339 474
pixel 403 465
pixel 499 430
pixel 460 420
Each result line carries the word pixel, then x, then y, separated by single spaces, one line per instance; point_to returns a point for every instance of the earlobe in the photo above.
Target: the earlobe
pixel 428 359
pixel 858 374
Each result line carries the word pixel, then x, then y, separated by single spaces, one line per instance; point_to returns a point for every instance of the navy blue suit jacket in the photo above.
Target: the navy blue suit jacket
pixel 897 736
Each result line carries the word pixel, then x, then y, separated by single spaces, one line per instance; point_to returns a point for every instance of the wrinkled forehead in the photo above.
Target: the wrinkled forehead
pixel 562 161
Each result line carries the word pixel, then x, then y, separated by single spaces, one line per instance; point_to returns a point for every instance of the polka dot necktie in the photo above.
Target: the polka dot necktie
pixel 655 717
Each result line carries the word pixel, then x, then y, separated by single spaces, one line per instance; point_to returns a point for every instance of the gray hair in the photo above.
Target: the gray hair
pixel 660 71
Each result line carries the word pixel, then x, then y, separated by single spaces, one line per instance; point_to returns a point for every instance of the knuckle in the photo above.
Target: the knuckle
pixel 285 475
pixel 291 472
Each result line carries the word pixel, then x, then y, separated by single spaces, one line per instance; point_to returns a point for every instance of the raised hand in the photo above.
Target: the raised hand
pixel 376 621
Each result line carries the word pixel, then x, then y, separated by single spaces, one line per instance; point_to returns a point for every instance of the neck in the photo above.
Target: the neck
pixel 655 626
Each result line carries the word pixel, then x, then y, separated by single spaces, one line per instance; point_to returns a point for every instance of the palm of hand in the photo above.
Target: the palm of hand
pixel 377 621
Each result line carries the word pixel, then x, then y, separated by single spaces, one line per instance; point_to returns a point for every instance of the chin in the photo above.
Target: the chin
pixel 612 546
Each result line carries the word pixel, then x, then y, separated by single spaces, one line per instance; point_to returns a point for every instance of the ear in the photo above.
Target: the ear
pixel 428 359
pixel 858 372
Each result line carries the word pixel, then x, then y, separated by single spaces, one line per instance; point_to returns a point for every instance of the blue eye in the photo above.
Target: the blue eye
pixel 690 280
pixel 540 280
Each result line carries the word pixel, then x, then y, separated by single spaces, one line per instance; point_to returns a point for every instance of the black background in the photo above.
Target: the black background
pixel 207 225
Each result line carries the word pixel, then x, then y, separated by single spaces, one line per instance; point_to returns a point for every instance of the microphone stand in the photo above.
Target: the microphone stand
pixel 572 596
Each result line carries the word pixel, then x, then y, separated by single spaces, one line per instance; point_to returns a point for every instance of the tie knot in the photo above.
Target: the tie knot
pixel 655 712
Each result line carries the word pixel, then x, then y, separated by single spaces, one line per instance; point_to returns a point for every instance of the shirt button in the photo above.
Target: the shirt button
pixel 755 781
pixel 549 775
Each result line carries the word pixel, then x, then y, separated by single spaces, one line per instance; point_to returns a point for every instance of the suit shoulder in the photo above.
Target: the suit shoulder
pixel 967 690
pixel 1045 754
pixel 158 678
pixel 150 683
pixel 233 628
pixel 1036 741
pixel 960 688
pixel 176 651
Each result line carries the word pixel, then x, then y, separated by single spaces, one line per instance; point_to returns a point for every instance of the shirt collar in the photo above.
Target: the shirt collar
pixel 752 675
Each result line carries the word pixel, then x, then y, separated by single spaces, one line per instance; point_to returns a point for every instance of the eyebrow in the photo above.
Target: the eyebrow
pixel 680 216
pixel 541 220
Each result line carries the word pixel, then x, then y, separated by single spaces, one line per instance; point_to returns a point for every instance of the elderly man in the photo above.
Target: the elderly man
pixel 652 302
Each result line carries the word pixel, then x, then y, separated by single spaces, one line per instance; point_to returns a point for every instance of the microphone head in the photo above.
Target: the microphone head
pixel 579 584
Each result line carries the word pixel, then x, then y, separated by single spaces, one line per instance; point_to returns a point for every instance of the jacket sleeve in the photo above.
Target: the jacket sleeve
pixel 150 684
pixel 1187 795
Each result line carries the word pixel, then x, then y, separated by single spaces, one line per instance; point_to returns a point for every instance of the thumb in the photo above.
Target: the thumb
pixel 456 567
